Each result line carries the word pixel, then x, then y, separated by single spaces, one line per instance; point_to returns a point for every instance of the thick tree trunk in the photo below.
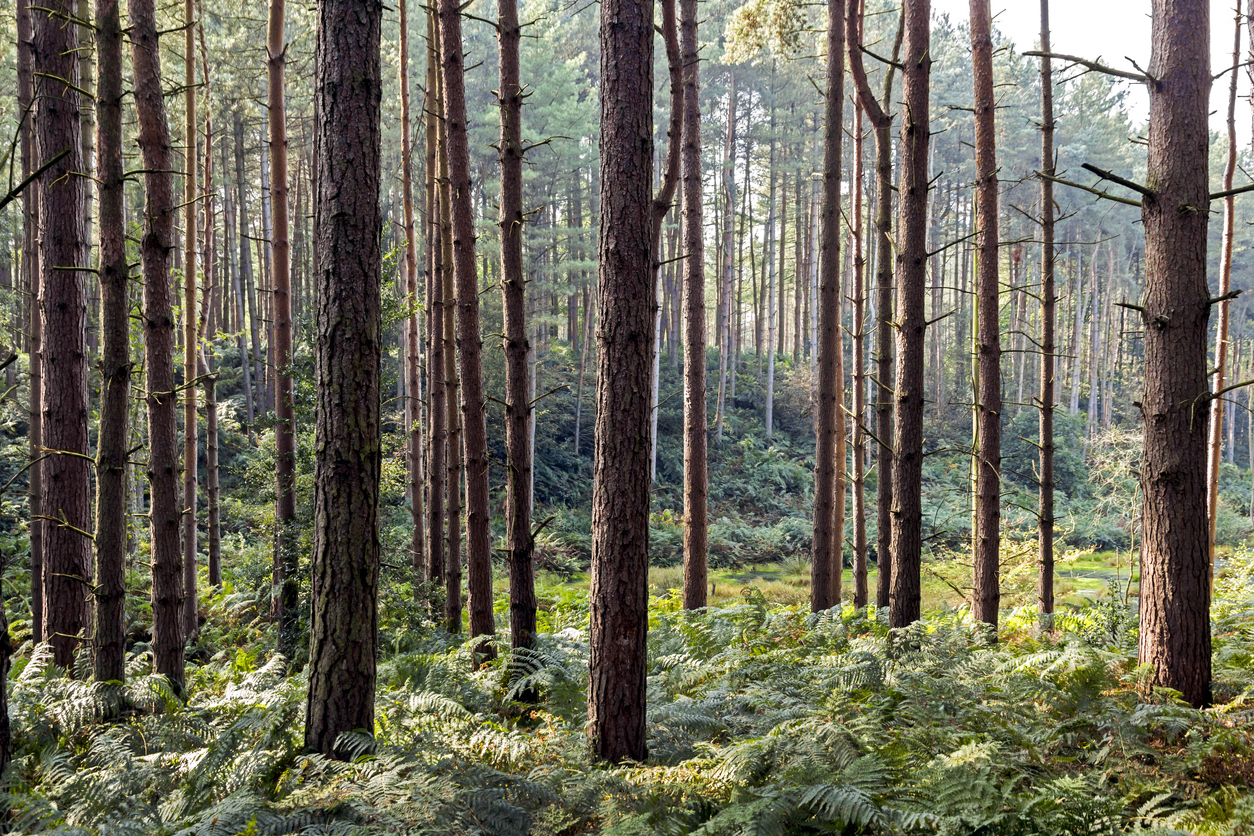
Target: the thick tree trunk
pixel 31 269
pixel 157 245
pixel 64 254
pixel 829 422
pixel 1215 436
pixel 907 525
pixel 285 595
pixel 413 372
pixel 987 593
pixel 191 455
pixel 626 296
pixel 115 362
pixel 696 474
pixel 454 454
pixel 519 541
pixel 1049 302
pixel 1175 633
pixel 344 635
pixel 469 363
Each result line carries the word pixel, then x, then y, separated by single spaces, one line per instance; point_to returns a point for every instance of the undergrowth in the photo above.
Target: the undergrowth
pixel 764 719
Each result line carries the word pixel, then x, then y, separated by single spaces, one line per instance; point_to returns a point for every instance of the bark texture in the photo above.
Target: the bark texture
pixel 438 427
pixel 1049 299
pixel 191 196
pixel 1175 593
pixel 344 635
pixel 626 298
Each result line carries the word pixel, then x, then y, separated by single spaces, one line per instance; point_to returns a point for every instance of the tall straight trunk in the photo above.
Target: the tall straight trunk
pixel 209 327
pixel 907 516
pixel 859 376
pixel 1095 350
pixel 63 259
pixel 1049 305
pixel 156 248
pixel 724 285
pixel 987 593
pixel 191 199
pixel 768 284
pixel 1175 635
pixel 237 284
pixel 32 271
pixel 249 295
pixel 1215 435
pixel 265 283
pixel 115 361
pixel 798 263
pixel 344 569
pixel 454 455
pixel 413 359
pixel 781 249
pixel 696 474
pixel 437 423
pixel 469 364
pixel 284 601
pixel 1077 304
pixel 829 422
pixel 520 544
pixel 626 295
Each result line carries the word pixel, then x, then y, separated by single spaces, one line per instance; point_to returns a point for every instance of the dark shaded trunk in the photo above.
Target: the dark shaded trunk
pixel 469 363
pixel 64 252
pixel 115 362
pixel 438 418
pixel 1049 303
pixel 859 375
pixel 344 635
pixel 156 248
pixel 1175 635
pixel 911 325
pixel 453 444
pixel 829 422
pixel 626 296
pixel 191 440
pixel 519 542
pixel 987 593
pixel 209 327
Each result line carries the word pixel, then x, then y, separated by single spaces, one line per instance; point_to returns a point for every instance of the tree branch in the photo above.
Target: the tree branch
pixel 1144 78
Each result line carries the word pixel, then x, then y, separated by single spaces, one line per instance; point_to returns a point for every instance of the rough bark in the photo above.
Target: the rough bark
pixel 283 603
pixel 987 593
pixel 1049 315
pixel 156 248
pixel 859 376
pixel 1175 633
pixel 829 422
pixel 469 362
pixel 696 474
pixel 453 440
pixel 437 423
pixel 626 297
pixel 344 635
pixel 191 455
pixel 115 362
pixel 519 544
pixel 64 251
pixel 911 325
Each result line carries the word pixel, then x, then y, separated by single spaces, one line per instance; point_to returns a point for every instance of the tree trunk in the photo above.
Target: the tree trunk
pixel 626 296
pixel 1175 596
pixel 469 364
pixel 907 526
pixel 208 328
pixel 64 252
pixel 829 422
pixel 1215 439
pixel 1049 302
pixel 724 286
pixel 115 361
pixel 696 474
pixel 519 541
pixel 987 593
pixel 284 601
pixel 453 440
pixel 157 245
pixel 32 270
pixel 413 377
pixel 438 421
pixel 344 570
pixel 859 375
pixel 191 455
pixel 769 283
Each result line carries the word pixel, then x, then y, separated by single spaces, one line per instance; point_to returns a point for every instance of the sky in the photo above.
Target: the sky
pixel 1113 31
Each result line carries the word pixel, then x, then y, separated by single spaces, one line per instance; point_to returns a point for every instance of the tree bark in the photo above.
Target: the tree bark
pixel 829 422
pixel 626 297
pixel 64 254
pixel 1049 315
pixel 191 455
pixel 284 601
pixel 724 335
pixel 1175 635
pixel 453 444
pixel 156 248
pixel 859 375
pixel 438 421
pixel 115 368
pixel 469 363
pixel 344 635
pixel 907 527
pixel 696 474
pixel 249 295
pixel 987 593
